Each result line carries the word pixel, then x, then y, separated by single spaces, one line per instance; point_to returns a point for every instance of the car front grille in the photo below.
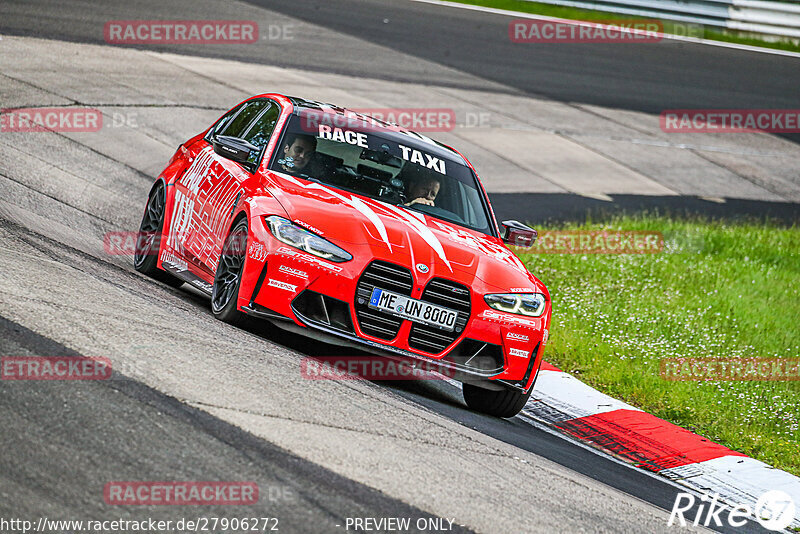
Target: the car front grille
pixel 399 280
pixel 450 295
pixel 387 276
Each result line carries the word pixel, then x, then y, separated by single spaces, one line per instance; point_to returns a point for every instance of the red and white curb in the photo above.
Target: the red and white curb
pixel 564 403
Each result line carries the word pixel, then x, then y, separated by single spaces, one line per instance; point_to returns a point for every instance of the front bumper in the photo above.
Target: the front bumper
pixel 507 349
pixel 336 336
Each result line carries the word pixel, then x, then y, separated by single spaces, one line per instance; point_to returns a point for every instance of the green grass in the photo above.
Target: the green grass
pixel 717 290
pixel 716 34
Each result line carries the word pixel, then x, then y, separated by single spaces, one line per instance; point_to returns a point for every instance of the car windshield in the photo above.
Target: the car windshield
pixel 362 157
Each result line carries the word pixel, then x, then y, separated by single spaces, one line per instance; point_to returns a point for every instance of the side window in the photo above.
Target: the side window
pixel 238 124
pixel 217 128
pixel 253 121
pixel 261 130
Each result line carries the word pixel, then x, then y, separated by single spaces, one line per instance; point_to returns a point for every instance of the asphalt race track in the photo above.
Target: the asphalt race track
pixel 674 76
pixel 194 399
pixel 574 100
pixel 101 432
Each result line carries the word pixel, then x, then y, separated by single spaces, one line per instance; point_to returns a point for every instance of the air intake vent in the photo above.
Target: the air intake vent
pixel 475 355
pixel 318 308
pixel 385 276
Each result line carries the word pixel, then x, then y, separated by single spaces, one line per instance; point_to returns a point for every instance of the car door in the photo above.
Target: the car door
pixel 229 181
pixel 185 222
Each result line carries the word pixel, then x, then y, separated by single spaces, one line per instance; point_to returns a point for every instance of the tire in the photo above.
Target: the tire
pixel 228 277
pixel 145 259
pixel 505 403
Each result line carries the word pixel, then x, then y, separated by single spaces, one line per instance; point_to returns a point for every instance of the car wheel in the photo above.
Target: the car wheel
pixel 505 403
pixel 228 277
pixel 145 258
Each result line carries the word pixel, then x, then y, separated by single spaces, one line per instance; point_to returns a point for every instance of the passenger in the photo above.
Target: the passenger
pixel 297 152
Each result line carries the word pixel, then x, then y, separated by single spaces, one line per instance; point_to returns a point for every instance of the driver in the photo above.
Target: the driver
pixel 423 190
pixel 297 152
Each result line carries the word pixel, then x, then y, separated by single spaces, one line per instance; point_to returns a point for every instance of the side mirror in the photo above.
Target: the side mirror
pixel 234 149
pixel 518 234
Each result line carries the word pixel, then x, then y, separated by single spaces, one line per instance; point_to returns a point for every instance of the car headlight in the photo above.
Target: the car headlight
pixel 530 304
pixel 296 236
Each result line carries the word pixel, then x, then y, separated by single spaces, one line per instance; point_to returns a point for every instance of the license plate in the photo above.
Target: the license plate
pixel 413 309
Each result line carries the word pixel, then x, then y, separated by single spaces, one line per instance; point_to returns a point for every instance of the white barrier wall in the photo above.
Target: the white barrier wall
pixel 775 19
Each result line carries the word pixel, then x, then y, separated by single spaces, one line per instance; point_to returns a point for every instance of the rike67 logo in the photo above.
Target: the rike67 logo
pixel 774 510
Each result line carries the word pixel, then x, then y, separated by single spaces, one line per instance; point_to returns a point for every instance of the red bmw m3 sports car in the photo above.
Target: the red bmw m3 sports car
pixel 354 231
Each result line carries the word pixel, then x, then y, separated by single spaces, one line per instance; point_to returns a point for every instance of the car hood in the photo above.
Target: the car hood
pixel 403 236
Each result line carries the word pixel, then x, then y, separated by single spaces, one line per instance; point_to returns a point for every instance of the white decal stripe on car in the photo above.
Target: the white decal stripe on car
pixel 352 202
pixel 423 231
pixel 374 219
pixel 365 209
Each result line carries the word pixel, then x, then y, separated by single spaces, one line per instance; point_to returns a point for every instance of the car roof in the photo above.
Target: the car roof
pixel 392 132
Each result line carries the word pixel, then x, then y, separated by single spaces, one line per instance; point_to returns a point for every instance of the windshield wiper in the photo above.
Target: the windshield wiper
pixel 309 178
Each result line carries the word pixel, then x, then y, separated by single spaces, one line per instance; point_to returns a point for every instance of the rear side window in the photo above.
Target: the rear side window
pixel 238 125
pixel 260 131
